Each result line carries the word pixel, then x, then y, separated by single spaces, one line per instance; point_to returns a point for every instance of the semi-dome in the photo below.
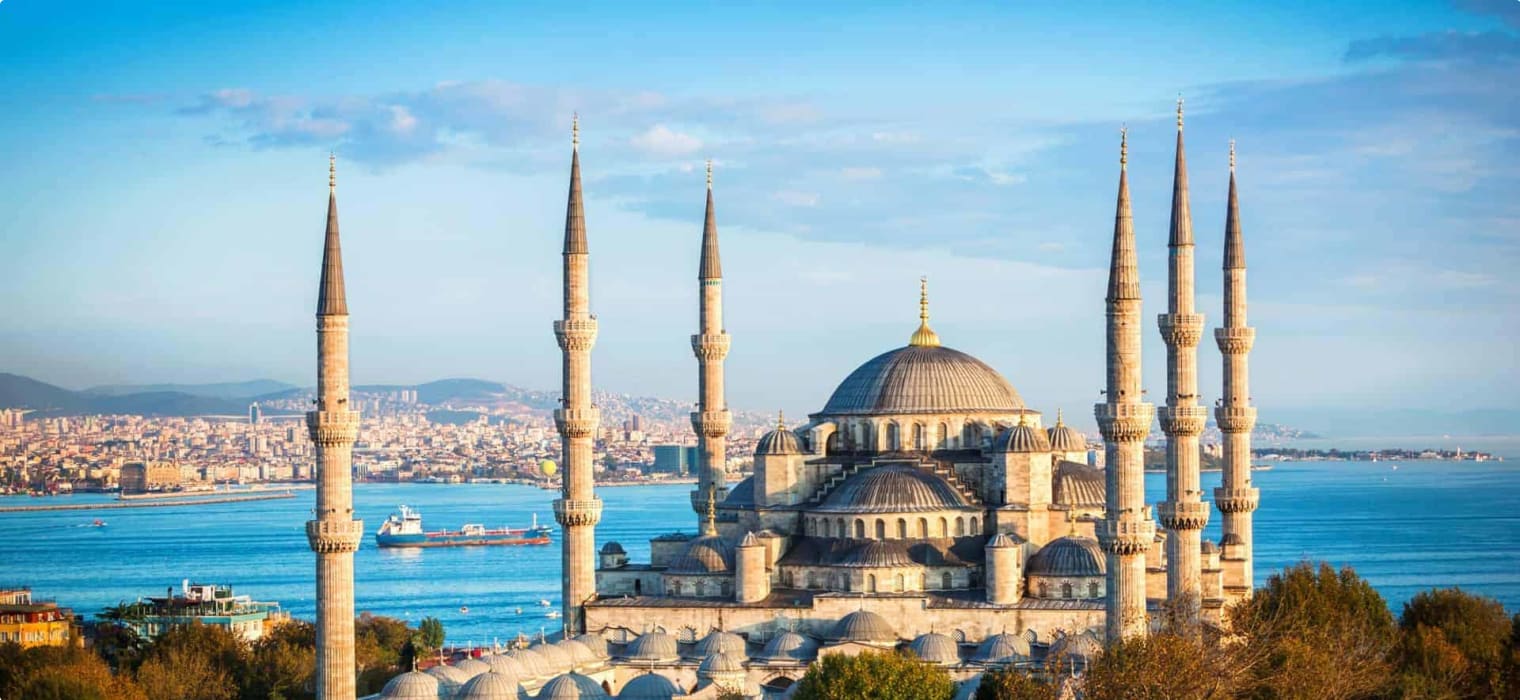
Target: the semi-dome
pixel 652 646
pixel 472 667
pixel 719 663
pixel 1083 645
pixel 936 648
pixel 923 379
pixel 709 554
pixel 863 626
pixel 489 686
pixel 1076 484
pixel 571 686
pixel 450 679
pixel 412 685
pixel 878 554
pixel 595 642
pixel 789 646
pixel 1064 438
pixel 506 666
pixel 779 442
pixel 532 663
pixel 1021 438
pixel 1068 556
pixel 557 660
pixel 720 641
pixel 580 654
pixel 893 488
pixel 1001 649
pixel 650 686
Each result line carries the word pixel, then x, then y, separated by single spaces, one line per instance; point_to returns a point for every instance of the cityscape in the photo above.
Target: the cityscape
pixel 840 378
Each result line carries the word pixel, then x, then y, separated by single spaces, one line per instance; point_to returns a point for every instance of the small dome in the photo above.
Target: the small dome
pixel 595 642
pixel 863 626
pixel 1002 540
pixel 878 553
pixel 580 654
pixel 1076 484
pixel 472 667
pixel 778 442
pixel 923 379
pixel 727 642
pixel 571 686
pixel 450 679
pixel 412 685
pixel 489 686
pixel 1001 649
pixel 893 488
pixel 531 661
pixel 720 663
pixel 790 646
pixel 1068 556
pixel 1232 538
pixel 1208 547
pixel 506 666
pixel 1021 438
pixel 557 660
pixel 652 646
pixel 936 648
pixel 1064 438
pixel 650 686
pixel 613 548
pixel 1084 646
pixel 709 554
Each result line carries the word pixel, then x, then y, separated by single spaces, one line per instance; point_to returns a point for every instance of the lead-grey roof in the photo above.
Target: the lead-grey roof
pixel 412 685
pixel 1021 438
pixel 790 646
pixel 1001 649
pixel 1077 484
pixel 863 626
pixel 878 554
pixel 571 686
pixel 923 379
pixel 1068 556
pixel 892 488
pixel 489 686
pixel 650 686
pixel 331 300
pixel 781 441
pixel 936 648
pixel 709 554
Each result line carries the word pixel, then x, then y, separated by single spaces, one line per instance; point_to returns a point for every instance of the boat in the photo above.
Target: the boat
pixel 553 614
pixel 544 603
pixel 404 529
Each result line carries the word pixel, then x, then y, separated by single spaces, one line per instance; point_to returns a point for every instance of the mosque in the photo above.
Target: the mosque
pixel 925 507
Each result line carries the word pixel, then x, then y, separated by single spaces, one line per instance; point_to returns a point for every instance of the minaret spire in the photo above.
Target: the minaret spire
pixel 1126 531
pixel 1236 498
pixel 712 420
pixel 334 534
pixel 924 336
pixel 1182 513
pixel 578 509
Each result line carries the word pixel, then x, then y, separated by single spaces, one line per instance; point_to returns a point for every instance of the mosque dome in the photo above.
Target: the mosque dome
pixel 653 646
pixel 781 441
pixel 1068 556
pixel 595 642
pixel 450 679
pixel 936 648
pixel 1064 438
pixel 650 686
pixel 1083 645
pixel 412 685
pixel 580 654
pixel 863 626
pixel 1208 547
pixel 1002 540
pixel 557 660
pixel 789 646
pixel 727 642
pixel 1076 484
pixel 892 488
pixel 532 663
pixel 923 379
pixel 489 686
pixel 1021 438
pixel 709 554
pixel 1001 649
pixel 571 686
pixel 472 667
pixel 506 666
pixel 719 663
pixel 878 554
pixel 613 548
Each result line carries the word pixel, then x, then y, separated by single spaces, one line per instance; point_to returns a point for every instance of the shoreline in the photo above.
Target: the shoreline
pixel 151 503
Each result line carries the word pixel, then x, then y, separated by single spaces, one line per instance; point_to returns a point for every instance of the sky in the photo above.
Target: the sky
pixel 163 174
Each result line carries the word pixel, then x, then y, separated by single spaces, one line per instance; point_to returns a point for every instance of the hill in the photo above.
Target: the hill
pixel 224 390
pixel 17 391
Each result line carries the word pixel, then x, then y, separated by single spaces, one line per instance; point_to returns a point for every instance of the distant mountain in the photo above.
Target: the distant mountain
pixel 17 391
pixel 24 392
pixel 223 390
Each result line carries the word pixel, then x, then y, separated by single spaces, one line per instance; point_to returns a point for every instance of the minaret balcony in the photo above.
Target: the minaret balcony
pixel 1124 422
pixel 1183 420
pixel 1181 330
pixel 1236 500
pixel 1126 533
pixel 334 536
pixel 1235 341
pixel 712 424
pixel 577 422
pixel 576 513
pixel 1183 515
pixel 333 427
pixel 1235 419
pixel 575 334
pixel 710 346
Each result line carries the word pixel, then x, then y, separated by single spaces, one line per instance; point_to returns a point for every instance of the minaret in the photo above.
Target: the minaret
pixel 711 420
pixel 1126 531
pixel 578 509
pixel 334 535
pixel 1235 497
pixel 1183 513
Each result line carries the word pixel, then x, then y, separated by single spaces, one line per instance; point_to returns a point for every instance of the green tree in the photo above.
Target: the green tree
pixel 282 665
pixel 194 662
pixel 874 676
pixel 1012 684
pixel 60 673
pixel 1454 644
pixel 379 644
pixel 1162 666
pixel 430 634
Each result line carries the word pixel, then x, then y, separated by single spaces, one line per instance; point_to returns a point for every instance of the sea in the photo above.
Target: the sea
pixel 1405 526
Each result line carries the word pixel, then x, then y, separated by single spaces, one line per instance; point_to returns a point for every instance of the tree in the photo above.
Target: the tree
pixel 60 673
pixel 379 643
pixel 1009 683
pixel 282 665
pixel 430 634
pixel 1162 665
pixel 1454 644
pixel 194 662
pixel 874 676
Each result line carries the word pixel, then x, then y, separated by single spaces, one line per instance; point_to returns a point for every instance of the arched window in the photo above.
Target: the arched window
pixel 918 437
pixel 923 528
pixel 1092 589
pixel 892 437
pixel 944 528
pixel 902 529
pixel 638 586
pixel 945 582
pixel 843 582
pixel 680 588
pixel 881 529
pixel 923 581
pixel 944 434
pixel 1044 590
pixel 974 529
pixel 842 531
pixel 960 526
pixel 971 436
pixel 870 583
pixel 701 588
pixel 824 532
pixel 726 588
pixel 860 529
pixel 902 583
pixel 1065 590
pixel 812 579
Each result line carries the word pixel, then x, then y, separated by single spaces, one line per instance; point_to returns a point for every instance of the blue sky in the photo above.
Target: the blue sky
pixel 162 198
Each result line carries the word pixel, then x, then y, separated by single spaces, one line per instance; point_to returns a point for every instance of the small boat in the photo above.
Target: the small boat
pixel 553 614
pixel 464 609
pixel 98 523
pixel 404 529
pixel 545 603
pixel 519 611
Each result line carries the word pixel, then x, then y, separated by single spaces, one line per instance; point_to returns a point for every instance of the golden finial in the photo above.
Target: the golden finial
pixel 709 173
pixel 924 336
pixel 781 420
pixel 1071 522
pixel 712 514
pixel 1179 111
pixel 1023 420
pixel 332 172
pixel 1232 155
pixel 1123 145
pixel 575 130
pixel 1059 420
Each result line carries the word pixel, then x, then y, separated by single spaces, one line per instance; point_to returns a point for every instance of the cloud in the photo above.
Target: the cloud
pixel 659 140
pixel 794 198
pixel 859 174
pixel 1472 47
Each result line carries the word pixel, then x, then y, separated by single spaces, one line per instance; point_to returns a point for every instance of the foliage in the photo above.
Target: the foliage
pixel 283 664
pixel 1454 644
pixel 430 634
pixel 874 676
pixel 1012 684
pixel 1167 664
pixel 60 673
pixel 379 643
pixel 194 662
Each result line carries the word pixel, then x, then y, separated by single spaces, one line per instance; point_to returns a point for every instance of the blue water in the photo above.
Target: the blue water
pixel 1422 525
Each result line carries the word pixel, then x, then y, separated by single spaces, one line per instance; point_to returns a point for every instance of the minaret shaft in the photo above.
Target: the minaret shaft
pixel 578 509
pixel 1236 498
pixel 1126 531
pixel 711 420
pixel 1182 419
pixel 334 535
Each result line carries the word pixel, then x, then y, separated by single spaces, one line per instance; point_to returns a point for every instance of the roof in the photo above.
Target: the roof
pixel 1001 649
pixel 571 686
pixel 741 495
pixel 863 626
pixel 489 686
pixel 923 379
pixel 720 641
pixel 781 441
pixel 892 488
pixel 721 662
pixel 472 667
pixel 1021 438
pixel 556 659
pixel 331 300
pixel 1068 556
pixel 532 662
pixel 1064 438
pixel 1077 484
pixel 877 554
pixel 595 642
pixel 613 548
pixel 711 267
pixel 650 686
pixel 789 646
pixel 936 648
pixel 709 554
pixel 506 666
pixel 652 646
pixel 412 685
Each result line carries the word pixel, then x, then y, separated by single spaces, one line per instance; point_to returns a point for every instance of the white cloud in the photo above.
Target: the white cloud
pixel 860 173
pixel 796 199
pixel 661 141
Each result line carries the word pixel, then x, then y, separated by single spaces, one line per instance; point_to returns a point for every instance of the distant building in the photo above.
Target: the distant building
pixel 254 414
pixel 33 623
pixel 674 459
pixel 208 605
pixel 142 477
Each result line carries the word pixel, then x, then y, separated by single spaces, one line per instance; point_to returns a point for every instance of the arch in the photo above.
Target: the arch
pixel 1092 589
pixel 824 531
pixel 944 527
pixel 923 528
pixel 945 581
pixel 1066 590
pixel 726 588
pixel 840 528
pixel 893 438
pixel 870 583
pixel 701 588
pixel 1044 590
pixel 902 583
pixel 835 443
pixel 923 581
pixel 919 443
pixel 778 683
pixel 943 436
pixel 638 586
pixel 902 529
pixel 960 526
pixel 881 529
pixel 607 688
pixel 812 579
pixel 973 529
pixel 860 529
pixel 842 582
pixel 680 588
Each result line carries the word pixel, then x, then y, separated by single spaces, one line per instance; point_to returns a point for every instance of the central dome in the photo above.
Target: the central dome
pixel 892 488
pixel 923 379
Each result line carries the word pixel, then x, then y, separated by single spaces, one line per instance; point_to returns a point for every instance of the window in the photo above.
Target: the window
pixel 870 583
pixel 860 529
pixel 1092 589
pixel 960 526
pixel 701 588
pixel 1044 590
pixel 902 529
pixel 881 529
pixel 902 583
pixel 945 582
pixel 923 528
pixel 974 529
pixel 843 533
pixel 1065 590
pixel 944 433
pixel 918 437
pixel 892 439
pixel 812 579
pixel 943 528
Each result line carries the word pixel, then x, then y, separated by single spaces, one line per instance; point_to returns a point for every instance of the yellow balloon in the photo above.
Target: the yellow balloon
pixel 548 467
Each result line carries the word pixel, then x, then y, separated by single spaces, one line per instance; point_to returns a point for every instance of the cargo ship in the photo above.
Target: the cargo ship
pixel 404 529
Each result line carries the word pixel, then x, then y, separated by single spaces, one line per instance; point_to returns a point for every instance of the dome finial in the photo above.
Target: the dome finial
pixel 924 336
pixel 712 515
pixel 575 130
pixel 1232 155
pixel 1123 146
pixel 1060 422
pixel 1179 111
pixel 332 171
pixel 781 420
pixel 1023 420
pixel 709 173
